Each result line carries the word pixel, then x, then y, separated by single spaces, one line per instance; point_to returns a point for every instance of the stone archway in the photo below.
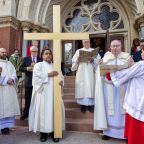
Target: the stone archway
pixel 40 12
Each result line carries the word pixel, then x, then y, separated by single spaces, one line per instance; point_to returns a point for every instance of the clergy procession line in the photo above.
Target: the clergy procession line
pixel 114 94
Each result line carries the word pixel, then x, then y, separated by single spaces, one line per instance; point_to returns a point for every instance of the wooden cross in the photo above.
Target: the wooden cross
pixel 56 36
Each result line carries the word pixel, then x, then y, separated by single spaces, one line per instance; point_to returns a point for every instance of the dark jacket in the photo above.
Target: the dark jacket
pixel 23 68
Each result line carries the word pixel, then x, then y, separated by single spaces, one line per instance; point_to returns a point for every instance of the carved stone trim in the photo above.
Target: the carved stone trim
pixel 139 22
pixel 44 30
pixel 26 26
pixel 9 21
pixel 29 26
pixel 36 28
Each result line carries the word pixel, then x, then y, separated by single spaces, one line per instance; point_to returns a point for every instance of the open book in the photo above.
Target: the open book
pixel 104 69
pixel 86 55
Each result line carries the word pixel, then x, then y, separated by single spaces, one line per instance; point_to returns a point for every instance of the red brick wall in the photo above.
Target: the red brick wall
pixel 10 39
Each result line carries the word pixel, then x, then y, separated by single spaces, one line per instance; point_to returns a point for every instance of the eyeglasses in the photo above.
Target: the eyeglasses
pixel 113 46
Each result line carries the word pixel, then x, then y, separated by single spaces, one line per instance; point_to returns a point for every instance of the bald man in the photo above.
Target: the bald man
pixel 114 96
pixel 85 77
pixel 9 106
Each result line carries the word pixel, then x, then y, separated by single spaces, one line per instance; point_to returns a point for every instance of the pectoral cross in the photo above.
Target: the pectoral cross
pixel 57 36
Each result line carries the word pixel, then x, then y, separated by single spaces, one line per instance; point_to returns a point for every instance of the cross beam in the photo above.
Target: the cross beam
pixel 56 36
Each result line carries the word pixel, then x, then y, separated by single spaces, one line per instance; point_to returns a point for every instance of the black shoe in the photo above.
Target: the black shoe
pixel 55 139
pixel 126 140
pixel 24 116
pixel 43 137
pixel 83 108
pixel 104 137
pixel 5 131
pixel 91 109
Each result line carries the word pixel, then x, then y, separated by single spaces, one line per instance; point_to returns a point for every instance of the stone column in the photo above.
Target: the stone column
pixel 43 42
pixel 26 27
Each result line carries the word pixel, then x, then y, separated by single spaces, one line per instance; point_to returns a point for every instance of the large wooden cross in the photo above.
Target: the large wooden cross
pixel 56 36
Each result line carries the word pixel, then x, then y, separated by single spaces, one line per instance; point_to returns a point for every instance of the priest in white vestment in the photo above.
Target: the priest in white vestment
pixel 41 110
pixel 85 78
pixel 9 106
pixel 113 118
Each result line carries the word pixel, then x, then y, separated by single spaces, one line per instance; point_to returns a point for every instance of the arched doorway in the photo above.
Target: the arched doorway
pixel 103 19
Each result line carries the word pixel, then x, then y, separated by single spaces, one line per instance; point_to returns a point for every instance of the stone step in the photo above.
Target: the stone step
pixel 81 125
pixel 69 96
pixel 69 85
pixel 72 124
pixel 69 90
pixel 70 103
pixel 69 79
pixel 77 114
pixel 19 122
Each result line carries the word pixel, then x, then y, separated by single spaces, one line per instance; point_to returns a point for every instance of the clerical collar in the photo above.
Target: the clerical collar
pixel 2 60
pixel 86 48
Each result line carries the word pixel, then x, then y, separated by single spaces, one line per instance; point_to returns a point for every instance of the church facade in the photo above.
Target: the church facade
pixel 103 19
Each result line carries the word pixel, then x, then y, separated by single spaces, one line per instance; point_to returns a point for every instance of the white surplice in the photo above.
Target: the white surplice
pixel 41 109
pixel 85 79
pixel 112 100
pixel 134 96
pixel 9 106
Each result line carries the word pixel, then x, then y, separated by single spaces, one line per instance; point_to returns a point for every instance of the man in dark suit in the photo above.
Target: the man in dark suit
pixel 27 68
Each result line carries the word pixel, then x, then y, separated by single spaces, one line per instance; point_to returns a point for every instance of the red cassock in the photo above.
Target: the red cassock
pixel 134 130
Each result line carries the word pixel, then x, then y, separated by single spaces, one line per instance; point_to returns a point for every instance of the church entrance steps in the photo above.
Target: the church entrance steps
pixel 75 113
pixel 23 123
pixel 69 79
pixel 70 103
pixel 69 96
pixel 81 125
pixel 75 119
pixel 69 85
pixel 68 90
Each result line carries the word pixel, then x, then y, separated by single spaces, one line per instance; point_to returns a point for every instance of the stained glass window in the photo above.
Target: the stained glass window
pixel 77 21
pixel 94 15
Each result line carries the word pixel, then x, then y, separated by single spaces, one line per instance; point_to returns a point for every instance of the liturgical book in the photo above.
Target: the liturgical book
pixel 104 69
pixel 86 55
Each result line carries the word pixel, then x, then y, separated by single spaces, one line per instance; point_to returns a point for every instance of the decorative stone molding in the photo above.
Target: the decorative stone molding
pixel 44 30
pixel 36 28
pixel 30 27
pixel 139 22
pixel 9 21
pixel 26 26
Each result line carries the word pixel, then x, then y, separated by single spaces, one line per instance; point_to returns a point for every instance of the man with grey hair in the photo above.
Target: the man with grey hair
pixel 34 43
pixel 27 67
pixel 9 106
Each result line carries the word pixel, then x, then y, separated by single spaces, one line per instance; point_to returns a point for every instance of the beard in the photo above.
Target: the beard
pixel 3 57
